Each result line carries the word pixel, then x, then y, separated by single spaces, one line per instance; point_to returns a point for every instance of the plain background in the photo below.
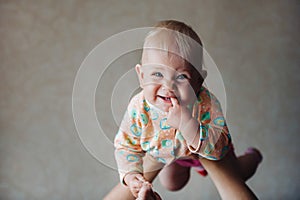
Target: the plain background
pixel 255 45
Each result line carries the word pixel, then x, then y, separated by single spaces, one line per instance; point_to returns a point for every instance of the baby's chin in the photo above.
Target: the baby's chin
pixel 163 108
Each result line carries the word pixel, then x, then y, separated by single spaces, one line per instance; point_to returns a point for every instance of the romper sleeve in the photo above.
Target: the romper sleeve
pixel 215 139
pixel 128 152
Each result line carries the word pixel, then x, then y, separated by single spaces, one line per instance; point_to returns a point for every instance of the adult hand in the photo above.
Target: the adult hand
pixel 135 182
pixel 147 193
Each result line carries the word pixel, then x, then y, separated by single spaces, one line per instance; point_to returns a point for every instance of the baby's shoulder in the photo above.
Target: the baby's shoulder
pixel 137 101
pixel 137 97
pixel 205 94
pixel 207 101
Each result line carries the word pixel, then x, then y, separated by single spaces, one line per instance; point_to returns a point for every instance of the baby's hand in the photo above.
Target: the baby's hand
pixel 178 115
pixel 135 182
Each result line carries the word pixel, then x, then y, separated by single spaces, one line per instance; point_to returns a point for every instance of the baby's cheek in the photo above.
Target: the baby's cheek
pixel 188 96
pixel 192 94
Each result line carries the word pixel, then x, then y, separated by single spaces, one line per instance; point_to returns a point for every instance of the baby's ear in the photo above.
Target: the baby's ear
pixel 138 69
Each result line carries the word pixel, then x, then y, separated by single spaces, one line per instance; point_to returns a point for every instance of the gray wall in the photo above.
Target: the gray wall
pixel 255 45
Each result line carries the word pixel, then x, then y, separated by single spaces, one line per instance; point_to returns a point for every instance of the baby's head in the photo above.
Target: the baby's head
pixel 171 65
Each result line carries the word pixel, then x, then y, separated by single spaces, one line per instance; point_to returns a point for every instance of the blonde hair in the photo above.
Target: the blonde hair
pixel 171 38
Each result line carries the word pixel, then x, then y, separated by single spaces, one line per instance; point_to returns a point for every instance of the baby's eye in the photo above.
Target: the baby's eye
pixel 182 77
pixel 157 74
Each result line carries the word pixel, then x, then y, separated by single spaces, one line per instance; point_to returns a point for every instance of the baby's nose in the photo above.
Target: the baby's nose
pixel 169 85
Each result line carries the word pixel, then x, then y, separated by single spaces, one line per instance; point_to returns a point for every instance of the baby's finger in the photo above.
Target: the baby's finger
pixel 137 184
pixel 174 101
pixel 147 183
pixel 135 190
pixel 141 178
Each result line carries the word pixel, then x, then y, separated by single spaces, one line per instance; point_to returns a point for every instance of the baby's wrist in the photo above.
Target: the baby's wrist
pixel 186 117
pixel 189 129
pixel 130 177
pixel 186 122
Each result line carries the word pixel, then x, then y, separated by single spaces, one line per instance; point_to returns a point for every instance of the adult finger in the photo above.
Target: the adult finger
pixel 134 191
pixel 140 177
pixel 137 184
pixel 146 192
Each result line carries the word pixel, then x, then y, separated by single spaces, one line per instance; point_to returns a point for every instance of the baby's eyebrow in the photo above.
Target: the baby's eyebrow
pixel 154 66
pixel 157 66
pixel 185 70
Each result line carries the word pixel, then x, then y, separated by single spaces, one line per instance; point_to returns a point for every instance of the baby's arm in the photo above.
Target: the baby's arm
pixel 215 139
pixel 206 135
pixel 128 152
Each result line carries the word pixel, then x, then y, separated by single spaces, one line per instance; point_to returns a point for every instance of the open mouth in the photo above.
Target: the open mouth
pixel 165 99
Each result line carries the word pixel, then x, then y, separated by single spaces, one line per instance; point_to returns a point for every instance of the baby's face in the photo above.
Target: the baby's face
pixel 163 78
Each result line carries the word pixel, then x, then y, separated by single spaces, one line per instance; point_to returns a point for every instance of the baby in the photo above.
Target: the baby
pixel 175 123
